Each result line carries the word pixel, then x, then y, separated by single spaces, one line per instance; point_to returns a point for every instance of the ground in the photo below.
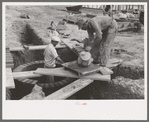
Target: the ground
pixel 129 80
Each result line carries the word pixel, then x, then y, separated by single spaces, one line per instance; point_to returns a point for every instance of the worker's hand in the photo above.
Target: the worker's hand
pixel 88 48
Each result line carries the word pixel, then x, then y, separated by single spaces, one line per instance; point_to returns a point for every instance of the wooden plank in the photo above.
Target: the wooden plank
pixel 70 44
pixel 41 47
pixel 73 45
pixel 83 70
pixel 9 78
pixel 113 62
pixel 69 90
pixel 66 73
pixel 28 74
pixel 105 71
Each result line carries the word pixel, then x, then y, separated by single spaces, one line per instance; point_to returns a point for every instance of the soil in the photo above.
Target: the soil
pixel 127 83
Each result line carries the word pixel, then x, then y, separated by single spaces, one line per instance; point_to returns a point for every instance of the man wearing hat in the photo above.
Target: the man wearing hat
pixel 101 31
pixel 51 56
pixel 50 53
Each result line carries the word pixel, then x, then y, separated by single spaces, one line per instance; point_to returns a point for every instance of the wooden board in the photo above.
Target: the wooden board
pixel 65 73
pixel 73 45
pixel 9 78
pixel 27 74
pixel 93 67
pixel 70 44
pixel 82 70
pixel 69 90
pixel 113 62
pixel 39 47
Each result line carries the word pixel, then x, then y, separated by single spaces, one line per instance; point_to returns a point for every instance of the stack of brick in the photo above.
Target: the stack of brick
pixel 9 59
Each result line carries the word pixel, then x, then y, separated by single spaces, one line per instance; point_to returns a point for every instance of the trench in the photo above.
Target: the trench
pixel 32 59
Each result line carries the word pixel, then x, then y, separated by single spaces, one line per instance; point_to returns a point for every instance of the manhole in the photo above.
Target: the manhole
pixel 47 87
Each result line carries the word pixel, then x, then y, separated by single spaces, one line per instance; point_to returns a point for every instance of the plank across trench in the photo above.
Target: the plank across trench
pixel 69 90
pixel 66 73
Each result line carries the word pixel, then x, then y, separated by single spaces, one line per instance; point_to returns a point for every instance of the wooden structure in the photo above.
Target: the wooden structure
pixel 38 47
pixel 71 88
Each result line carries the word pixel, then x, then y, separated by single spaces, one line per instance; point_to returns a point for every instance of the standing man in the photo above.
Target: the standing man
pixel 51 56
pixel 101 31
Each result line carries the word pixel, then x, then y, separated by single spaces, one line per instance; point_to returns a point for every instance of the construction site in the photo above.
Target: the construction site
pixel 27 34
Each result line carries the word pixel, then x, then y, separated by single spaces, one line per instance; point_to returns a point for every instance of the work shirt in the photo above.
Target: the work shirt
pixel 50 54
pixel 99 24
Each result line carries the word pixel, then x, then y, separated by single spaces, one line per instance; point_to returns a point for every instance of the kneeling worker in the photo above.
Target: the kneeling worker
pixel 100 44
pixel 51 56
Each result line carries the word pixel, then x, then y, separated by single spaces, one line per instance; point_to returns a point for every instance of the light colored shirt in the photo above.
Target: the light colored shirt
pixel 100 23
pixel 50 54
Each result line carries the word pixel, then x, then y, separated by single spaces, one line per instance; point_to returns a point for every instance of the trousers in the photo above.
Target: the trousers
pixel 101 49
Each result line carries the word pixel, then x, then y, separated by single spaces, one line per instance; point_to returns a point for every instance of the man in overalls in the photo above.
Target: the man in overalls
pixel 101 31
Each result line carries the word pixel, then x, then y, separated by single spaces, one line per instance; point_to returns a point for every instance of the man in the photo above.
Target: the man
pixel 50 53
pixel 99 44
pixel 51 56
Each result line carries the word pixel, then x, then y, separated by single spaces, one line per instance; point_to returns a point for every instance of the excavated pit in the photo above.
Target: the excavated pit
pixel 120 86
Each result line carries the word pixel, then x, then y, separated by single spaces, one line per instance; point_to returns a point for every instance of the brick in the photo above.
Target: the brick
pixel 52 85
pixel 34 82
pixel 57 84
